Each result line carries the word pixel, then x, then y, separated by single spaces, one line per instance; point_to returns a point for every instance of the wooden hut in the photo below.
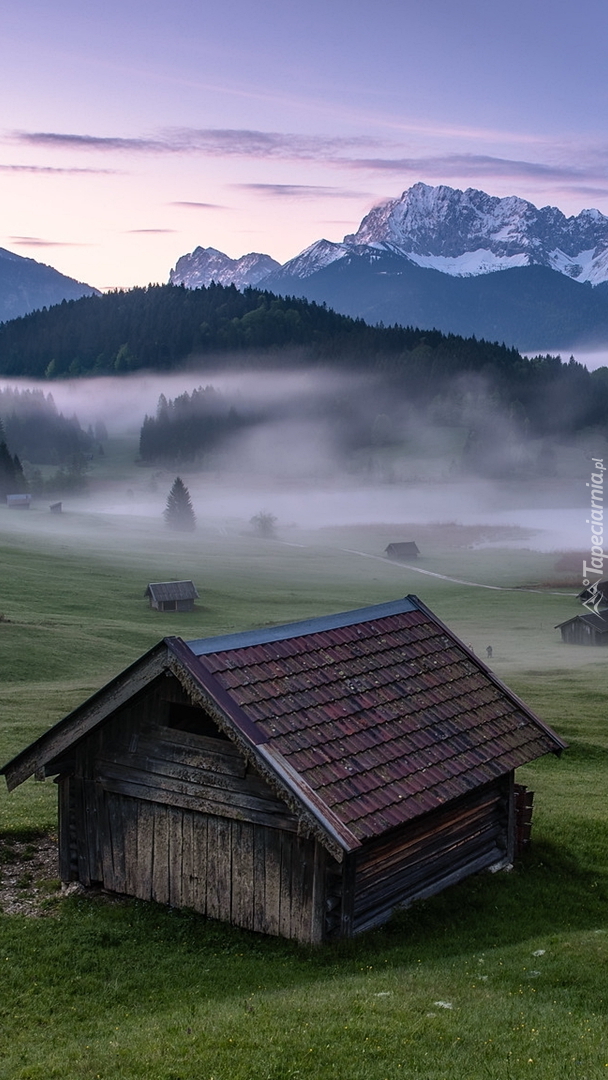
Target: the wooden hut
pixel 172 595
pixel 589 629
pixel 402 551
pixel 19 502
pixel 303 780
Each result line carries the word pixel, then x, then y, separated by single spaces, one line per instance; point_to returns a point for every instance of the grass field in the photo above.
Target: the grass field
pixel 502 977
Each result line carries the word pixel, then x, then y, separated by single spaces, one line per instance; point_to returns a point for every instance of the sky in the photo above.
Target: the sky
pixel 133 132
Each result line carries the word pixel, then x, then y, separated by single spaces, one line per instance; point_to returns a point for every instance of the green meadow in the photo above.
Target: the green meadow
pixel 501 977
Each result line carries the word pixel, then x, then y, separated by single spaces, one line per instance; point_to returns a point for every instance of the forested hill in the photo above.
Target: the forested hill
pixel 164 327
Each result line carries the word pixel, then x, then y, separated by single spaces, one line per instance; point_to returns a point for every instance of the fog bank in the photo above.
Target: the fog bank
pixel 299 458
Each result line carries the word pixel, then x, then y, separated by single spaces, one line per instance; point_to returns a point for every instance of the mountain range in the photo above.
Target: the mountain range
pixel 460 261
pixel 27 285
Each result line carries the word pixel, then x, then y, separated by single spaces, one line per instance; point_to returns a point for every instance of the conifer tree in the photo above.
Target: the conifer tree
pixel 8 471
pixel 178 513
pixel 19 476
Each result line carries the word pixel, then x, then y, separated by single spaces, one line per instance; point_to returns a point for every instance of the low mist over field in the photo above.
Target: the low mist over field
pixel 319 448
pixel 123 401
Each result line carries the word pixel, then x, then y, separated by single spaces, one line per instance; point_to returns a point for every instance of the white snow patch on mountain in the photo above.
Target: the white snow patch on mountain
pixel 585 266
pixel 469 264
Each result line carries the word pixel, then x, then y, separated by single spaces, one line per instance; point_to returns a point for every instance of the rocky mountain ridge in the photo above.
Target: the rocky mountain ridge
pixel 204 265
pixel 469 233
pixel 460 233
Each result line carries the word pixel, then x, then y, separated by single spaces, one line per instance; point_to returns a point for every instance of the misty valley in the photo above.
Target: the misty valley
pixel 314 446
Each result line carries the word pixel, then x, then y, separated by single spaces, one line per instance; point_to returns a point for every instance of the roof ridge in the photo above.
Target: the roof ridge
pixel 244 638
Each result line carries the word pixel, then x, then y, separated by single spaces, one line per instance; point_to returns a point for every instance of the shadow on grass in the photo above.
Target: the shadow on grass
pixel 549 892
pixel 125 950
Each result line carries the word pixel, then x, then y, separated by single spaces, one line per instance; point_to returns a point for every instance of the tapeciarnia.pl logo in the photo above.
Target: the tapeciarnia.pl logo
pixel 594 570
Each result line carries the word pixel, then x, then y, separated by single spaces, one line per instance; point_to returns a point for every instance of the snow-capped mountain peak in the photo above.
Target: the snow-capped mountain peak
pixel 204 265
pixel 470 232
pixel 313 258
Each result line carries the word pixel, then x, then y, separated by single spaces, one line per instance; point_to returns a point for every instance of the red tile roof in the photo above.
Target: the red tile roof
pixel 384 717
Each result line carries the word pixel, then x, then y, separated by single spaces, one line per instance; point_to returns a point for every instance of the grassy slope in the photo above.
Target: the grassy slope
pixel 132 990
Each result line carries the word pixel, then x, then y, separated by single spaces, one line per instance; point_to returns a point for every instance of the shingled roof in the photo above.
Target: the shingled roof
pixel 163 591
pixel 382 711
pixel 368 719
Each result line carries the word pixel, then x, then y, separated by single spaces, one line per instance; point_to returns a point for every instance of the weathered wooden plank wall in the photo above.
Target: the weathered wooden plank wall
pixel 181 818
pixel 581 633
pixel 425 856
pixel 68 850
pixel 240 872
pixel 137 753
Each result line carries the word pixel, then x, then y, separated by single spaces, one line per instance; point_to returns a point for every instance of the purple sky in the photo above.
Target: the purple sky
pixel 133 132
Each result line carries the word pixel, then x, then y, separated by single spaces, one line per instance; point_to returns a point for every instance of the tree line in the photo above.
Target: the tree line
pixel 12 479
pixel 167 327
pixel 162 327
pixel 36 430
pixel 188 427
pixel 34 433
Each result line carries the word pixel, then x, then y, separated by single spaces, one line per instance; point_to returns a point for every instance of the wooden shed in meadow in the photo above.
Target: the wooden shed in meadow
pixel 587 629
pixel 302 780
pixel 172 595
pixel 406 549
pixel 19 502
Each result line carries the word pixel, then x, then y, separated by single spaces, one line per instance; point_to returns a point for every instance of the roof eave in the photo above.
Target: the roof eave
pixel 84 719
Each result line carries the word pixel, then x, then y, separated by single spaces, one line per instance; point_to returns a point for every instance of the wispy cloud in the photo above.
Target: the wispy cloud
pixel 302 191
pixel 430 129
pixel 347 152
pixel 198 205
pixel 69 171
pixel 38 241
pixel 584 190
pixel 152 231
pixel 64 141
pixel 264 144
pixel 447 165
pixel 210 142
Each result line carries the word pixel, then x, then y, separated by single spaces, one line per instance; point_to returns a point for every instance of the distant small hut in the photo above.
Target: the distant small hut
pixel 18 502
pixel 56 508
pixel 585 630
pixel 402 551
pixel 172 595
